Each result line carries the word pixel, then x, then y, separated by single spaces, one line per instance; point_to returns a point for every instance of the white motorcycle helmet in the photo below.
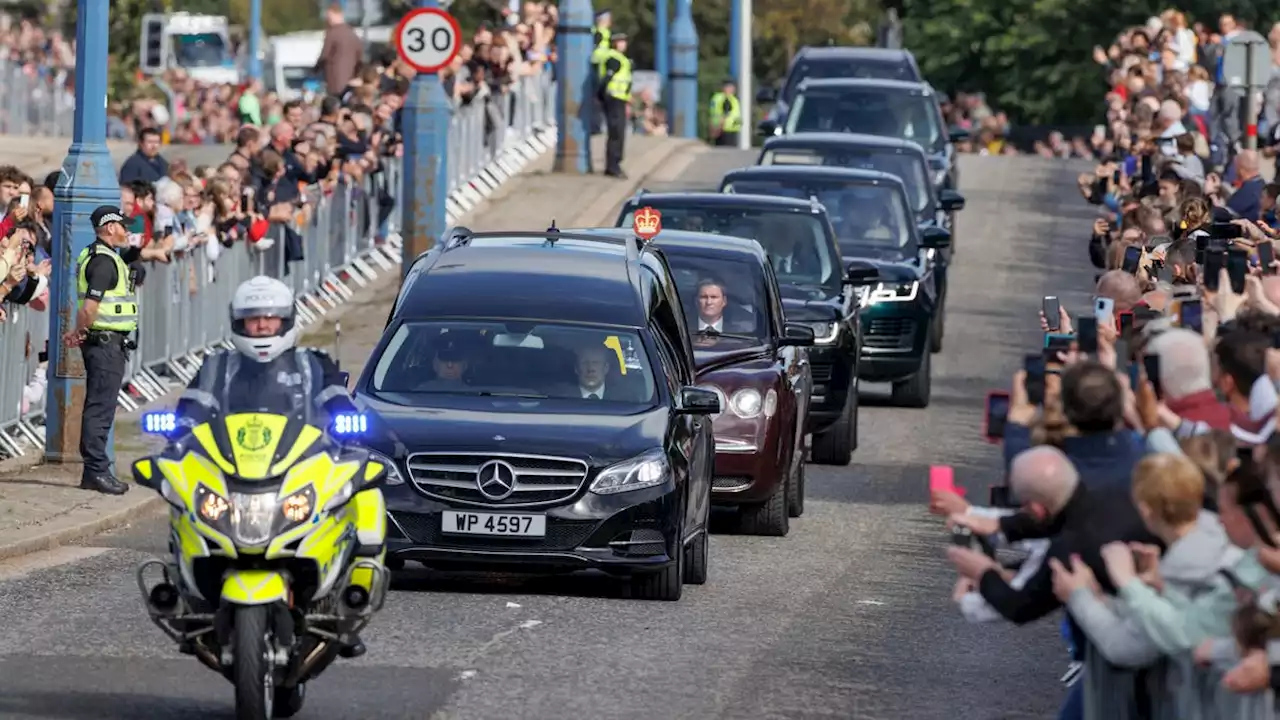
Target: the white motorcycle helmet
pixel 263 297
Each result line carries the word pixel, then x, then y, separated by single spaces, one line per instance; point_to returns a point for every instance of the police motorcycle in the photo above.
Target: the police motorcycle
pixel 277 541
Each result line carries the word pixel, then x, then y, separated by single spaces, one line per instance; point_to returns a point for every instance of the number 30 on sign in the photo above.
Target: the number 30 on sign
pixel 428 39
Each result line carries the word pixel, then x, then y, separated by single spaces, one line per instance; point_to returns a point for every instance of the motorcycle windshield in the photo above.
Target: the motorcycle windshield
pixel 259 446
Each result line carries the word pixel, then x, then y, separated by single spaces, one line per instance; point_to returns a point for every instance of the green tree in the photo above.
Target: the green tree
pixel 1032 58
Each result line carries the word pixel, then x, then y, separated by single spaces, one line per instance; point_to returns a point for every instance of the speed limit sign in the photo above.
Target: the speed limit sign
pixel 428 39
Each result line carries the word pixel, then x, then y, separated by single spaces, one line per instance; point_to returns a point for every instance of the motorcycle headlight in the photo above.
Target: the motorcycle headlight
pixel 642 471
pixel 212 507
pixel 298 507
pixel 746 403
pixel 253 517
pixel 888 292
pixel 825 333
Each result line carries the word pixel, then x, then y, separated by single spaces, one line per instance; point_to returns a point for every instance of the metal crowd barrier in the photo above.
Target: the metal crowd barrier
pixel 349 239
pixel 38 101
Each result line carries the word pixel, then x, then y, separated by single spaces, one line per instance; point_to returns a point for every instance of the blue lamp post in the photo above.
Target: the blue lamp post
pixel 662 49
pixel 88 180
pixel 574 87
pixel 684 72
pixel 427 114
pixel 255 39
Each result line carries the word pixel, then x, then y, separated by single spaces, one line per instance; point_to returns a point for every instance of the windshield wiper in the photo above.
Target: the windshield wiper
pixel 527 396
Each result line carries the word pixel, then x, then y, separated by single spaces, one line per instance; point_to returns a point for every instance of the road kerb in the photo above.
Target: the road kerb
pixel 41 541
pixel 601 212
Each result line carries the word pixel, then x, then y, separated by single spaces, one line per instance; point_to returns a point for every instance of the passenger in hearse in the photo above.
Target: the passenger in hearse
pixel 594 367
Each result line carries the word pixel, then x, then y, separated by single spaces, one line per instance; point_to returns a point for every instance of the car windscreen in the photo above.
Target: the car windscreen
pixel 513 359
pixel 846 68
pixel 724 300
pixel 870 111
pixel 797 243
pixel 863 215
pixel 908 168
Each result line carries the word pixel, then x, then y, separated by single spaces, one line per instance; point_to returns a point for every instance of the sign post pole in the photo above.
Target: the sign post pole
pixel 1246 66
pixel 427 39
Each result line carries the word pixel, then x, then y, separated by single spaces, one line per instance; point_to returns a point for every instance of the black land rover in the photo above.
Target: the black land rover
pixel 802 246
pixel 901 314
pixel 535 391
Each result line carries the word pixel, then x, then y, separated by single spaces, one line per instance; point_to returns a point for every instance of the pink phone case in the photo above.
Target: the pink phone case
pixel 942 478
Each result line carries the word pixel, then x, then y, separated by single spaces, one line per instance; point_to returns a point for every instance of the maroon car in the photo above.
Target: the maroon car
pixel 757 362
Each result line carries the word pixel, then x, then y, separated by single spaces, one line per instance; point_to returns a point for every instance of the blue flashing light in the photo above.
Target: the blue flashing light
pixel 350 424
pixel 163 422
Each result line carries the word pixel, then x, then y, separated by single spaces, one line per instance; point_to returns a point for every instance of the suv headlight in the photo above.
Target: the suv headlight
pixel 887 292
pixel 825 333
pixel 643 471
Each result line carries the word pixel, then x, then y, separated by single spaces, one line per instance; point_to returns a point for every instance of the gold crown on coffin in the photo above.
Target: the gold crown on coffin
pixel 647 223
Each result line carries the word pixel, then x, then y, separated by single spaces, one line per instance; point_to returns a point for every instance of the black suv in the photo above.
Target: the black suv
pixel 536 392
pixel 904 110
pixel 902 315
pixel 834 62
pixel 813 292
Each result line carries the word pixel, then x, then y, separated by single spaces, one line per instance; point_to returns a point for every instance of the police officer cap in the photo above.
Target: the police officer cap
pixel 450 349
pixel 603 14
pixel 730 81
pixel 618 36
pixel 105 215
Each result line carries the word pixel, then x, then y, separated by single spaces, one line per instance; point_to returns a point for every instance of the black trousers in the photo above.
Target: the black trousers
pixel 727 139
pixel 615 121
pixel 105 361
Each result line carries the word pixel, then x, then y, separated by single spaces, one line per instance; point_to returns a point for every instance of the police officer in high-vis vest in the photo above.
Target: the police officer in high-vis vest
pixel 725 116
pixel 615 94
pixel 601 34
pixel 104 325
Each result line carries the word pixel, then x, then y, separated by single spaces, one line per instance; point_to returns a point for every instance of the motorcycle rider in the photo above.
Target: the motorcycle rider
pixel 267 370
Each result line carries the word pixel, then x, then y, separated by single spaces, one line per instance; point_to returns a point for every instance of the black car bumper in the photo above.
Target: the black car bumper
pixel 623 532
pixel 894 344
pixel 832 378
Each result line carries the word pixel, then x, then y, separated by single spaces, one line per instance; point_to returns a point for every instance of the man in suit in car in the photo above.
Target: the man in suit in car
pixel 788 251
pixel 596 379
pixel 712 303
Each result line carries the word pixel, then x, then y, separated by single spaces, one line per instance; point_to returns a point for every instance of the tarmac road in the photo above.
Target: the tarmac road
pixel 848 617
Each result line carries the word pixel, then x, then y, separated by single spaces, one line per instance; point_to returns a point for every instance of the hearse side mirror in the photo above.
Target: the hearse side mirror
pixel 796 334
pixel 951 200
pixel 935 238
pixel 768 128
pixel 698 401
pixel 860 274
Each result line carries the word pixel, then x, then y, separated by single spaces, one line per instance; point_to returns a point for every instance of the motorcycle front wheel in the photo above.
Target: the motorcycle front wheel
pixel 254 670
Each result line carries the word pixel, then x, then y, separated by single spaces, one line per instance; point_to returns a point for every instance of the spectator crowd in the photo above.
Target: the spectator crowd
pixel 1143 464
pixel 41 64
pixel 288 160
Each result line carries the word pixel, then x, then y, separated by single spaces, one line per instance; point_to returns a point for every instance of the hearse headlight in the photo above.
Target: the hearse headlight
pixel 825 333
pixel 393 470
pixel 746 403
pixel 643 471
